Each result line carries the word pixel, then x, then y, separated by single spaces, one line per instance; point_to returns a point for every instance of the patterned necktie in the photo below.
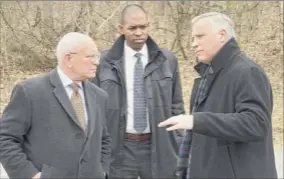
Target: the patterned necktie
pixel 139 100
pixel 77 103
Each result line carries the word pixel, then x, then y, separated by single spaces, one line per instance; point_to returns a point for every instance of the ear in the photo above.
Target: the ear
pixel 149 22
pixel 223 35
pixel 150 28
pixel 120 28
pixel 67 60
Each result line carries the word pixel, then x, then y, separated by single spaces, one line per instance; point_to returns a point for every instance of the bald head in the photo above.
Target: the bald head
pixel 130 9
pixel 134 26
pixel 71 42
pixel 78 56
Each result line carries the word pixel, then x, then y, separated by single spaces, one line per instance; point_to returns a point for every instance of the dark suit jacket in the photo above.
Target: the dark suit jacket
pixel 232 126
pixel 40 132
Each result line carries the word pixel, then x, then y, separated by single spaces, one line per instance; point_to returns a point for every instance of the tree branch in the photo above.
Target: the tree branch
pixel 111 16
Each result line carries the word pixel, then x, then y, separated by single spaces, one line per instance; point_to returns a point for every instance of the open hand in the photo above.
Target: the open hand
pixel 37 176
pixel 178 122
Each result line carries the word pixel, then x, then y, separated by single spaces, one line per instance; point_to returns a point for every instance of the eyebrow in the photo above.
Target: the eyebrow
pixel 198 34
pixel 142 25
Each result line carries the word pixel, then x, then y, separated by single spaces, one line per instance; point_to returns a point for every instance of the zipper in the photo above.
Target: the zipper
pixel 123 104
pixel 123 101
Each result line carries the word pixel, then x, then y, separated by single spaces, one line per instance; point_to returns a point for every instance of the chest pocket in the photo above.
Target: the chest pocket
pixel 111 84
pixel 162 83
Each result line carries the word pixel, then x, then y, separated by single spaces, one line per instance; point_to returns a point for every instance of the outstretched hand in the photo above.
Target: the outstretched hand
pixel 178 122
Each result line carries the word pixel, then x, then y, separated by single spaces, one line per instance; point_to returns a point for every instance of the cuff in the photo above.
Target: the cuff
pixel 198 122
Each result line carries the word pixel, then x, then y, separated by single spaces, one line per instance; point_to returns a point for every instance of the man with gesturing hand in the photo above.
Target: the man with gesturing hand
pixel 229 133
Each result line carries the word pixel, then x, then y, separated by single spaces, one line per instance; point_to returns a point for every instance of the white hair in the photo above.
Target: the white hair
pixel 218 21
pixel 70 41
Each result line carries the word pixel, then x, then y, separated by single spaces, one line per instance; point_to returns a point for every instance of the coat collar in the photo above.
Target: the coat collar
pixel 61 95
pixel 116 51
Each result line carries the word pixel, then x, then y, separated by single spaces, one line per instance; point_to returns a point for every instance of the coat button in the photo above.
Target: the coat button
pixel 78 135
pixel 83 161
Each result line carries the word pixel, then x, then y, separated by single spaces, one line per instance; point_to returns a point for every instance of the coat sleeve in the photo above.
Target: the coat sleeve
pixel 14 125
pixel 106 144
pixel 253 109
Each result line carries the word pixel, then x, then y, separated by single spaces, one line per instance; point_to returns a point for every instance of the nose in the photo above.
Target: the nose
pixel 96 61
pixel 194 44
pixel 138 32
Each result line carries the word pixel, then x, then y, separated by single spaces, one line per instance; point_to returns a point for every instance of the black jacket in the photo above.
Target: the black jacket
pixel 232 126
pixel 163 89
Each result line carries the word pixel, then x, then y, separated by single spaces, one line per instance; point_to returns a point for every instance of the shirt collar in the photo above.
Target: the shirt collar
pixel 66 81
pixel 131 52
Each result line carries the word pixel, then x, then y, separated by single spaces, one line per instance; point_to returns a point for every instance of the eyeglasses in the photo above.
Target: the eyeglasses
pixel 91 57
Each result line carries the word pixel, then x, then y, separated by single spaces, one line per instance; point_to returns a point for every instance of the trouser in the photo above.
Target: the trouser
pixel 136 162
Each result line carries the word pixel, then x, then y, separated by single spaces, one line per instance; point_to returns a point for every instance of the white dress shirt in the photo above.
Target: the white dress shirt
pixel 67 84
pixel 130 61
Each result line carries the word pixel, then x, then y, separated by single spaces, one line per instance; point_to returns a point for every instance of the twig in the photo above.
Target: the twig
pixel 7 23
pixel 111 16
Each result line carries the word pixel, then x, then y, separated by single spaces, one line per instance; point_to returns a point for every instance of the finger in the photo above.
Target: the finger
pixel 174 127
pixel 167 122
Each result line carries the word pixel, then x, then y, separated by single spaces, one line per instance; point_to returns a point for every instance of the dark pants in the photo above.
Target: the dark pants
pixel 136 162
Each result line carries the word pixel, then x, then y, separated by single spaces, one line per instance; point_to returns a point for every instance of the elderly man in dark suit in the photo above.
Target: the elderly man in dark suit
pixel 55 125
pixel 229 130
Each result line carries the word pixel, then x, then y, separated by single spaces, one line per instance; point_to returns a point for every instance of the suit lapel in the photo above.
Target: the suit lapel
pixel 210 81
pixel 62 97
pixel 194 92
pixel 91 107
